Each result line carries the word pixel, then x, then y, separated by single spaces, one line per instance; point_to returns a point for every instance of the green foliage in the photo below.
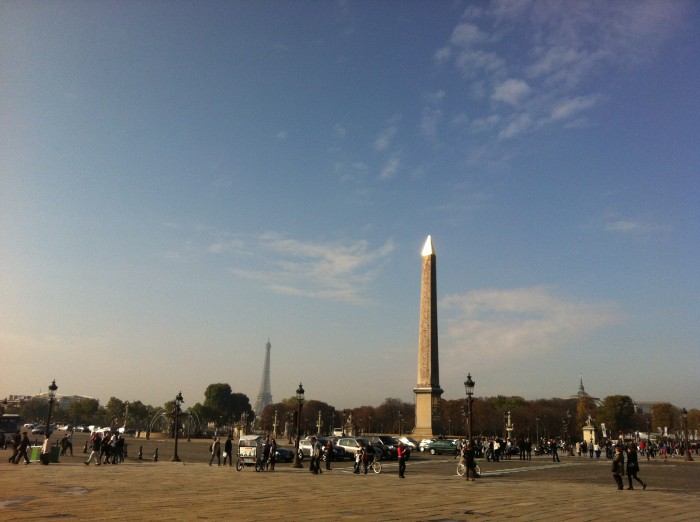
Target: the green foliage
pixel 221 404
pixel 617 413
pixel 665 415
pixel 83 411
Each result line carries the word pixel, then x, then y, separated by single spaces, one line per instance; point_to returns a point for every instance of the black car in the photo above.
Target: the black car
pixel 305 449
pixel 283 454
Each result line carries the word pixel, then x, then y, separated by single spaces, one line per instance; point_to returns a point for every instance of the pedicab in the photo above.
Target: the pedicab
pixel 249 453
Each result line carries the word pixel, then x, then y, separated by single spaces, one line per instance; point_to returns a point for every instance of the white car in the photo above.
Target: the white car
pixel 424 444
pixel 408 441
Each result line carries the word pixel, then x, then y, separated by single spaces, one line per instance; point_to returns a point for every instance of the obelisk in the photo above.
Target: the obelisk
pixel 428 389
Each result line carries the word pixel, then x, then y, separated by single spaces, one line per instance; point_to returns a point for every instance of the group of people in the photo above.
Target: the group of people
pixel 20 447
pixel 107 448
pixel 632 466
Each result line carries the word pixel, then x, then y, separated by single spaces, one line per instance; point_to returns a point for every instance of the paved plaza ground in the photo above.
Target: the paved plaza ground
pixel 578 488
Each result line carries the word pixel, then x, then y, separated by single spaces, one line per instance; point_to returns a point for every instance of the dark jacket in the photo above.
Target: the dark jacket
pixel 632 463
pixel 618 464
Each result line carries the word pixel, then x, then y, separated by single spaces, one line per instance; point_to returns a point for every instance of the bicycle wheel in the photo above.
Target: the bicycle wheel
pixel 461 469
pixel 377 466
pixel 239 465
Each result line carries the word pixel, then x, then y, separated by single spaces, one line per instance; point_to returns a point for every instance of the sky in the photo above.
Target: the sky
pixel 182 181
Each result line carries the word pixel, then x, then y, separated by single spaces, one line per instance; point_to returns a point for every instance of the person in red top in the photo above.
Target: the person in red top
pixel 401 449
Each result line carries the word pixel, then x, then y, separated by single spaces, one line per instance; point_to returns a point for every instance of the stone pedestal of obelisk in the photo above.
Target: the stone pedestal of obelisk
pixel 428 389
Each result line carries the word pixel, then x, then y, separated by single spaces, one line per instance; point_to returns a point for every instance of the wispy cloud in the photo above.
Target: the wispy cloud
pixel 384 140
pixel 624 226
pixel 390 168
pixel 562 48
pixel 339 271
pixel 522 322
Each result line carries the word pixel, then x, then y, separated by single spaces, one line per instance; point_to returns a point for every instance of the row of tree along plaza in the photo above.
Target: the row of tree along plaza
pixel 224 411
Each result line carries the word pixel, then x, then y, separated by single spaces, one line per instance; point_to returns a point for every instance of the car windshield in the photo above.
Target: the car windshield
pixel 387 439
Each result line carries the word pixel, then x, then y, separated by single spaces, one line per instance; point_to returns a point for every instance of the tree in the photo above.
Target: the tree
pixel 664 415
pixel 34 409
pixel 617 413
pixel 83 411
pixel 116 409
pixel 221 404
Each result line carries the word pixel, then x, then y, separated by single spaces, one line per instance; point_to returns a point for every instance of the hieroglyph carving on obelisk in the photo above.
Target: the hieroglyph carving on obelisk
pixel 427 390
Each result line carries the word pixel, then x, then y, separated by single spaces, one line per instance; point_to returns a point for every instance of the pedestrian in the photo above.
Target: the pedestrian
pixel 469 456
pixel 328 453
pixel 596 449
pixel 69 441
pixel 64 444
pixel 96 447
pixel 618 466
pixel 215 451
pixel 358 457
pixel 273 453
pixel 554 450
pixel 22 449
pixel 16 439
pixel 633 466
pixel 228 450
pixel 265 453
pixel 401 455
pixel 315 460
pixel 45 453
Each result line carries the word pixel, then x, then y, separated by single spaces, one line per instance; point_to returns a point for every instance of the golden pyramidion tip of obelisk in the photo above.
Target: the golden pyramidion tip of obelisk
pixel 428 247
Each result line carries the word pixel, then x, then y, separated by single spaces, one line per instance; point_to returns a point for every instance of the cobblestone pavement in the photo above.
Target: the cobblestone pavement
pixel 576 489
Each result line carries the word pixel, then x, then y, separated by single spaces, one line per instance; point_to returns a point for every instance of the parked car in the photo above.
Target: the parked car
pixel 284 454
pixel 440 446
pixel 424 444
pixel 388 445
pixel 350 445
pixel 410 442
pixel 40 429
pixel 305 449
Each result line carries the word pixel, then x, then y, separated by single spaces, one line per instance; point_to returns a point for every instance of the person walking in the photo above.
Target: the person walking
pixel 618 466
pixel 228 449
pixel 16 440
pixel 358 457
pixel 22 449
pixel 273 454
pixel 401 455
pixel 328 453
pixel 633 466
pixel 215 451
pixel 469 456
pixel 96 446
pixel 315 464
pixel 553 448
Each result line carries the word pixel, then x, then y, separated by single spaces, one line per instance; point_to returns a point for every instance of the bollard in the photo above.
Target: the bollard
pixel 155 456
pixel 140 452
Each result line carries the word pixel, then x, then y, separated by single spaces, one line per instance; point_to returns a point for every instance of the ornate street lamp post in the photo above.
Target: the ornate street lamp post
pixel 369 424
pixel 319 423
pixel 274 426
pixel 401 423
pixel 568 433
pixel 687 456
pixel 52 398
pixel 469 389
pixel 300 401
pixel 537 430
pixel 178 403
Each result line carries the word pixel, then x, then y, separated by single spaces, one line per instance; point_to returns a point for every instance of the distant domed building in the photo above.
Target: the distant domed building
pixel 582 393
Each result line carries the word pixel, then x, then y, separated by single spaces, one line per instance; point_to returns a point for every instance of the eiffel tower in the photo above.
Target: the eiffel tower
pixel 265 395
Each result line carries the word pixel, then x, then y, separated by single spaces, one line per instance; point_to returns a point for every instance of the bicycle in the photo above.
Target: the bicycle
pixel 376 465
pixel 462 469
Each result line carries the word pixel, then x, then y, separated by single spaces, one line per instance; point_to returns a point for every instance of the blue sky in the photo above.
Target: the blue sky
pixel 181 181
